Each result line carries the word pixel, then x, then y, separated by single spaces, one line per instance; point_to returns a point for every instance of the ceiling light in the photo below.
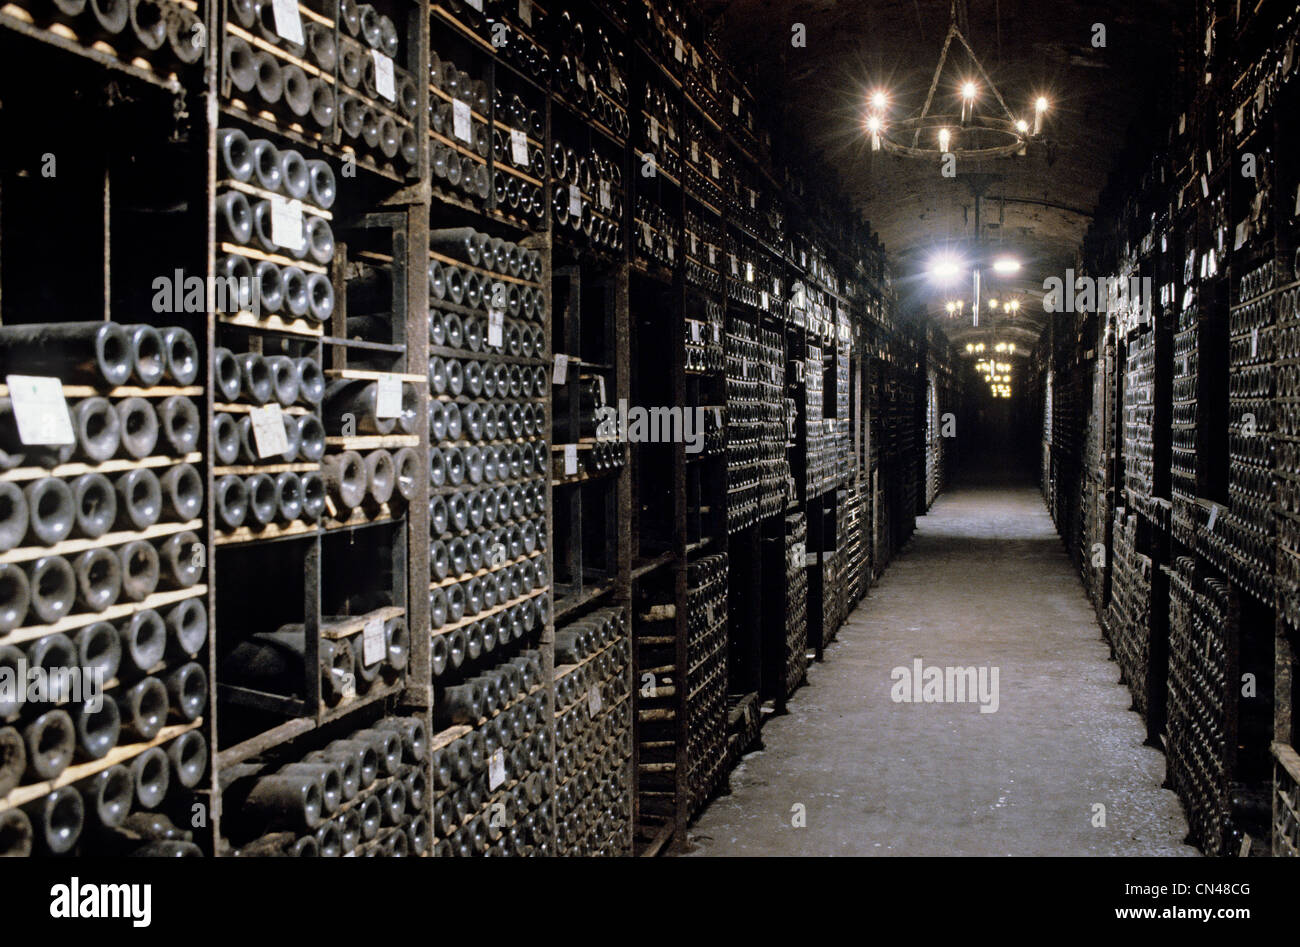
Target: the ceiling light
pixel 945 140
pixel 1006 264
pixel 993 304
pixel 1040 107
pixel 945 267
pixel 1022 126
pixel 968 90
pixel 879 100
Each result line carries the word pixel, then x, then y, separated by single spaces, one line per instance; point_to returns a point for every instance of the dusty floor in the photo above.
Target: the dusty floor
pixel 984 582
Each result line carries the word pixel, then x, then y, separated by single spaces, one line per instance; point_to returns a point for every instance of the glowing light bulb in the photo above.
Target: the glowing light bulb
pixel 968 90
pixel 1022 126
pixel 945 138
pixel 879 100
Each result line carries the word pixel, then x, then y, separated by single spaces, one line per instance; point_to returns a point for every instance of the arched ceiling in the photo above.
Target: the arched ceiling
pixel 1035 207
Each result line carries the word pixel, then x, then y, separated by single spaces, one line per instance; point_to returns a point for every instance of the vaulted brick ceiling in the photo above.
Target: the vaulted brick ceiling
pixel 1037 207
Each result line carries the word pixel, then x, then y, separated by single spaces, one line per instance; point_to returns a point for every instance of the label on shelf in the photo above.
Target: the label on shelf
pixel 714 167
pixel 669 246
pixel 679 50
pixel 695 331
pixel 476 4
pixel 497 768
pixel 40 410
pixel 570 459
pixel 388 397
pixel 582 80
pixel 764 299
pixel 519 147
pixel 749 272
pixel 560 372
pixel 373 645
pixel 735 105
pixel 654 129
pixel 268 430
pixel 593 701
pixel 526 12
pixel 496 320
pixel 288 20
pixel 384 82
pixel 606 200
pixel 695 152
pixel 1254 342
pixel 461 123
pixel 713 255
pixel 286 223
pixel 575 201
pixel 694 244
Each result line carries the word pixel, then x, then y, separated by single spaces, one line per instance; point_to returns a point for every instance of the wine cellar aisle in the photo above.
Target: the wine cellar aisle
pixel 458 428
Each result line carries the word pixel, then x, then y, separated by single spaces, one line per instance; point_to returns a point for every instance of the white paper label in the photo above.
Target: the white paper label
pixel 735 106
pixel 575 201
pixel 496 768
pixel 606 199
pixel 714 167
pixel 461 123
pixel 384 82
pixel 713 255
pixel 519 147
pixel 600 384
pixel 496 319
pixel 695 152
pixel 476 4
pixel 764 295
pixel 570 459
pixel 679 51
pixel 593 701
pixel 1254 342
pixel 695 331
pixel 526 12
pixel 288 21
pixel 1238 120
pixel 669 247
pixel 286 223
pixel 582 80
pixel 388 399
pixel 268 430
pixel 40 410
pixel 560 372
pixel 373 645
pixel 654 129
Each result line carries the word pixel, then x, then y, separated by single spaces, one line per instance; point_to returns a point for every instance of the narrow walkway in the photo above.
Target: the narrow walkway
pixel 985 582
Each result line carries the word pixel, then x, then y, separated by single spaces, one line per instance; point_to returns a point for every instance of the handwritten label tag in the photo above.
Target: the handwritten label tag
pixel 40 410
pixel 388 398
pixel 575 201
pixel 654 129
pixel 695 152
pixel 735 106
pixel 373 645
pixel 679 51
pixel 560 372
pixel 385 84
pixel 570 459
pixel 526 12
pixel 496 320
pixel 606 200
pixel 593 701
pixel 286 223
pixel 497 768
pixel 714 168
pixel 288 20
pixel 582 80
pixel 268 430
pixel 476 4
pixel 519 147
pixel 461 123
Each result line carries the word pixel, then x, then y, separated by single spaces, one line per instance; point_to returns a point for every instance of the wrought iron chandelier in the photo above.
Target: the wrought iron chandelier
pixel 969 132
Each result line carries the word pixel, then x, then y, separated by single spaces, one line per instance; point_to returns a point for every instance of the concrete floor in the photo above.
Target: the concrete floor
pixel 985 581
